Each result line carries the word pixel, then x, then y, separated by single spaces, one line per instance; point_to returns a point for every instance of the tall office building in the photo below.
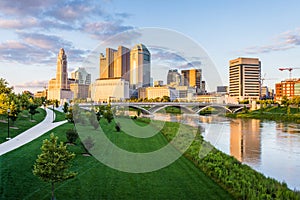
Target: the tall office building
pixel 192 78
pixel 61 70
pixel 81 82
pixel 173 77
pixel 81 76
pixel 115 64
pixel 139 66
pixel 59 87
pixel 244 78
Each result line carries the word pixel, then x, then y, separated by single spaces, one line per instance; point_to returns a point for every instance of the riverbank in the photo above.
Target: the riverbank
pixel 275 113
pixel 239 179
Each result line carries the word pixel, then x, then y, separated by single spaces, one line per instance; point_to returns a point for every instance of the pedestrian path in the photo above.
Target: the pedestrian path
pixel 31 134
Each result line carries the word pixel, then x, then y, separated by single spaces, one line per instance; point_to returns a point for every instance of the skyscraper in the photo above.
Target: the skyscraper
pixel 173 77
pixel 244 78
pixel 115 64
pixel 139 66
pixel 192 78
pixel 81 76
pixel 61 70
pixel 59 87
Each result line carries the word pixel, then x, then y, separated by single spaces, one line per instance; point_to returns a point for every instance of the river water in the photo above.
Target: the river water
pixel 272 148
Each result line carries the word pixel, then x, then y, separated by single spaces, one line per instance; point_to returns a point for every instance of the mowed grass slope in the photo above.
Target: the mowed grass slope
pixel 180 180
pixel 22 123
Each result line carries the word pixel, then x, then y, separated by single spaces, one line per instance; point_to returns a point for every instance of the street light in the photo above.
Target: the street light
pixel 53 113
pixel 8 111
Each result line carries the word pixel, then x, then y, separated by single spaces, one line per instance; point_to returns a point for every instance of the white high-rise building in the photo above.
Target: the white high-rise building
pixel 244 78
pixel 81 76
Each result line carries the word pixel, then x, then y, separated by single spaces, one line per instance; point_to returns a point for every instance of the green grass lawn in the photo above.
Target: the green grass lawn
pixel 180 180
pixel 275 113
pixel 22 123
pixel 59 116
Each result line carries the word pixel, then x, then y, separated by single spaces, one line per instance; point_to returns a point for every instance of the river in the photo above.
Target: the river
pixel 272 148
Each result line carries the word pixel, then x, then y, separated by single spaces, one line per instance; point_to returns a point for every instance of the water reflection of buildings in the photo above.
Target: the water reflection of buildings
pixel 288 128
pixel 245 141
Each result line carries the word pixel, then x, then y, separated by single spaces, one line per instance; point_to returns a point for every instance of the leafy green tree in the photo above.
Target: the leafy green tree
pixel 66 106
pixel 32 110
pixel 166 99
pixel 53 164
pixel 108 115
pixel 14 111
pixel 69 115
pixel 24 100
pixel 72 135
pixel 118 127
pixel 285 101
pixel 56 103
pixel 4 88
pixel 3 103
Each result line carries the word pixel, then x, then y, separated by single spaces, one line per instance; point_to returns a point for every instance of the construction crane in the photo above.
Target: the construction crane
pixel 289 69
pixel 266 79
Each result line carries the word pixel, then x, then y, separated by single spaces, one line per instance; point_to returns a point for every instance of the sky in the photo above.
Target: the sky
pixel 179 34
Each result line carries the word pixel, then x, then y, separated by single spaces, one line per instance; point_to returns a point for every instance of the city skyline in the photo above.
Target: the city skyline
pixel 267 30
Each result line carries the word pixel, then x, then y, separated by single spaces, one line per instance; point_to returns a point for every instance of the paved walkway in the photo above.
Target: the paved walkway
pixel 31 134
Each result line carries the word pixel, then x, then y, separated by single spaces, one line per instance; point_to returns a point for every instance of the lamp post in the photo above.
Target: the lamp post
pixel 53 113
pixel 8 111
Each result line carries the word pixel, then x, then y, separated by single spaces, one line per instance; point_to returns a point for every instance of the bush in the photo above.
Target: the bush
pixel 71 135
pixel 118 127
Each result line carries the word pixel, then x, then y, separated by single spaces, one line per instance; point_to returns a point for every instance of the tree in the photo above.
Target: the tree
pixel 56 103
pixel 118 127
pixel 32 110
pixel 65 108
pixel 14 111
pixel 71 135
pixel 4 87
pixel 53 163
pixel 108 114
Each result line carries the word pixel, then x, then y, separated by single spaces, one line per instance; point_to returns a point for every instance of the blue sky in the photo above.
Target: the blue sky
pixel 32 31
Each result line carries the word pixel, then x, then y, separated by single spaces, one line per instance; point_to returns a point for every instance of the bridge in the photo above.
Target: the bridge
pixel 186 107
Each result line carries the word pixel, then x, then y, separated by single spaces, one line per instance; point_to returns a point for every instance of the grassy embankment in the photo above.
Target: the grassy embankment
pixel 271 113
pixel 180 180
pixel 239 179
pixel 22 123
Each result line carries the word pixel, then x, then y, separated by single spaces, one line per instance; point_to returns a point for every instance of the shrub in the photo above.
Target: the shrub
pixel 71 135
pixel 118 127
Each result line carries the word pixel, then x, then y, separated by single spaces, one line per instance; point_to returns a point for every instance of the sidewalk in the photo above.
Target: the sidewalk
pixel 31 134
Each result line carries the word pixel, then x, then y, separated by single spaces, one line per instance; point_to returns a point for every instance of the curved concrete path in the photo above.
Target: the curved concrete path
pixel 31 134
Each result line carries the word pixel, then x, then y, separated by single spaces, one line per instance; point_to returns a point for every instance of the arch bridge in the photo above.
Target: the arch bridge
pixel 189 108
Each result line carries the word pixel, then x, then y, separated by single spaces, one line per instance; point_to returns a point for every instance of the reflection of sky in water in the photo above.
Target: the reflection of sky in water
pixel 269 147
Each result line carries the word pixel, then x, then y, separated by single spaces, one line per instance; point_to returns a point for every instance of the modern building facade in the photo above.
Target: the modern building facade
pixel 245 78
pixel 59 87
pixel 81 81
pixel 140 64
pixel 104 89
pixel 155 92
pixel 81 76
pixel 116 63
pixel 288 88
pixel 173 78
pixel 192 78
